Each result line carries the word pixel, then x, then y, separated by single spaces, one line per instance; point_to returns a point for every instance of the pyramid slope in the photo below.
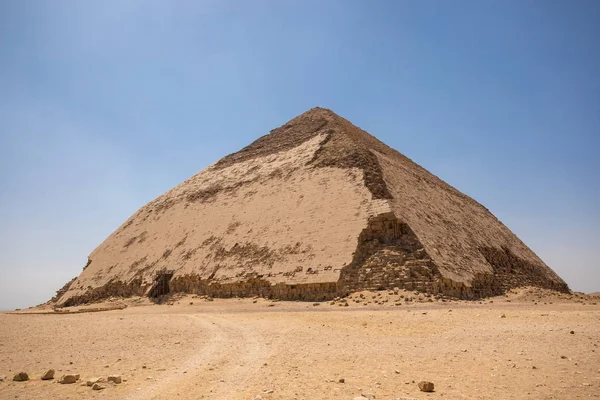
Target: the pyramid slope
pixel 315 209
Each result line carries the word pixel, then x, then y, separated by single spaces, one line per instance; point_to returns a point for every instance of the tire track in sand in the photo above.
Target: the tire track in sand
pixel 220 370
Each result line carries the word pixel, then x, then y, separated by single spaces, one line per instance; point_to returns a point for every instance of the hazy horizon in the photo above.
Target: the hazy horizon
pixel 106 105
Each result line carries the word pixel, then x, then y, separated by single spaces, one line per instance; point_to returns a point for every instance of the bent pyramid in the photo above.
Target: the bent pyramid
pixel 315 209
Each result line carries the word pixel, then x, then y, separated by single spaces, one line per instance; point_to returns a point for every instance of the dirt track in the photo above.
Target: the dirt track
pixel 237 349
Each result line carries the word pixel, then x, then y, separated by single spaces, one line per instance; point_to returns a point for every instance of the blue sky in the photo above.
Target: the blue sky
pixel 104 105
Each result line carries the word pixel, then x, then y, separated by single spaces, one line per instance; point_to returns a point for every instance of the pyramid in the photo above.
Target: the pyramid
pixel 316 209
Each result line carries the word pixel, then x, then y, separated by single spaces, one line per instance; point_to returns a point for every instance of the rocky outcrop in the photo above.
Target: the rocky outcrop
pixel 316 209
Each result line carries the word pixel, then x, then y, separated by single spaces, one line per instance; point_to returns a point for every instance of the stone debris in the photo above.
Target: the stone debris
pixel 68 379
pixel 115 379
pixel 425 386
pixel 98 386
pixel 48 375
pixel 91 381
pixel 21 377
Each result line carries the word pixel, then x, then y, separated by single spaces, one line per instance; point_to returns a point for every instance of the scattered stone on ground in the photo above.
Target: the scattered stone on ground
pixel 499 355
pixel 48 375
pixel 98 386
pixel 68 379
pixel 91 381
pixel 21 377
pixel 426 386
pixel 115 379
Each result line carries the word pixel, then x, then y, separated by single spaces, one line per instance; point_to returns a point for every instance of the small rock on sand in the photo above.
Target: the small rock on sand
pixel 91 381
pixel 68 379
pixel 21 377
pixel 48 375
pixel 97 386
pixel 426 386
pixel 115 378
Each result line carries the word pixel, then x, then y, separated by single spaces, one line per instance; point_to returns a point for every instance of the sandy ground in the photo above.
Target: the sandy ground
pixel 241 349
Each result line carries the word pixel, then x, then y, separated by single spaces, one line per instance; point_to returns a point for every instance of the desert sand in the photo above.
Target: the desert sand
pixel 529 344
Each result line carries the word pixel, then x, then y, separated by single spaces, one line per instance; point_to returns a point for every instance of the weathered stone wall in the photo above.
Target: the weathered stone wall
pixel 114 288
pixel 389 255
pixel 254 287
pixel 512 271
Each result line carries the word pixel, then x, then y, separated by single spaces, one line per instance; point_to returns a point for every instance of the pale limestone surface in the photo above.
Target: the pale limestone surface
pixel 299 209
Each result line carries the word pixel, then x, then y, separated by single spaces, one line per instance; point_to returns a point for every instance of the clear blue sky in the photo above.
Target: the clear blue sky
pixel 104 105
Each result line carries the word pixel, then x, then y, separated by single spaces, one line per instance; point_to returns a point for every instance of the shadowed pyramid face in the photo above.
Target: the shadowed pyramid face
pixel 313 210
